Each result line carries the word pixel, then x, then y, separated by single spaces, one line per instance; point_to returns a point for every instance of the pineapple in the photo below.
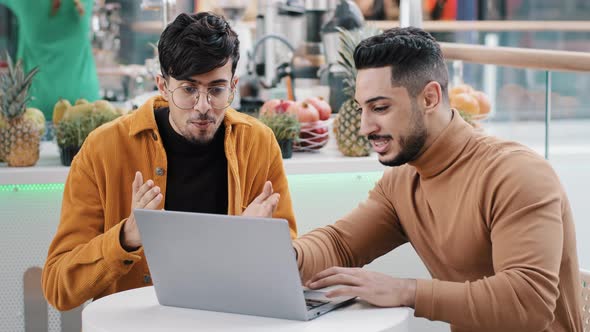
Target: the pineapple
pixel 20 135
pixel 348 121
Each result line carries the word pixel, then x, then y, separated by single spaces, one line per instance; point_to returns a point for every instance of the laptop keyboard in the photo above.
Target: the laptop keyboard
pixel 312 304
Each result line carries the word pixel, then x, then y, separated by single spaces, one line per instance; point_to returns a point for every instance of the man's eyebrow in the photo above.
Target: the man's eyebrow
pixel 374 99
pixel 221 80
pixel 218 81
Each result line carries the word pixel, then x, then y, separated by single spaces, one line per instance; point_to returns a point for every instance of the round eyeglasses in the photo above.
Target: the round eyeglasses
pixel 186 97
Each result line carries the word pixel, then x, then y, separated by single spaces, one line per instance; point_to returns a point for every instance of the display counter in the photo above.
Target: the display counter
pixel 327 160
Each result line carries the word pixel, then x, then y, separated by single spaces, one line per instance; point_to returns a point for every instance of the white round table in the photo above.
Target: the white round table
pixel 139 310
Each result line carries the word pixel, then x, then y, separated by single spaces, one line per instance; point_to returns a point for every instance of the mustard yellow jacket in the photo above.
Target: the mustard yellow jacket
pixel 85 260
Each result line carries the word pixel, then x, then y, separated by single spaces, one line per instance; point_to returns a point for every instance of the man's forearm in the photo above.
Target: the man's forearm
pixel 78 274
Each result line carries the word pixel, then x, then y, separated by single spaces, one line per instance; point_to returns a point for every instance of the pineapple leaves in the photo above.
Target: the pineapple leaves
pixel 348 42
pixel 14 89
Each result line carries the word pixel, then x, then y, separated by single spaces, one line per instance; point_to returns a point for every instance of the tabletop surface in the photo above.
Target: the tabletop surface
pixel 138 309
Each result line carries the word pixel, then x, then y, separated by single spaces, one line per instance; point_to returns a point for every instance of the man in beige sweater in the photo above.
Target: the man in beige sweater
pixel 489 218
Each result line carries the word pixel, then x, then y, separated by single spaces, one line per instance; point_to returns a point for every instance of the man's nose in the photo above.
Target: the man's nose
pixel 202 106
pixel 367 127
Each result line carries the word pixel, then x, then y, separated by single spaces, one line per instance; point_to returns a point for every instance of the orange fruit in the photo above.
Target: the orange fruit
pixel 460 88
pixel 483 101
pixel 465 102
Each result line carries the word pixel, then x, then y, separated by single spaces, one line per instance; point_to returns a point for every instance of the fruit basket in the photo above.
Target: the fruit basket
pixel 473 106
pixel 313 136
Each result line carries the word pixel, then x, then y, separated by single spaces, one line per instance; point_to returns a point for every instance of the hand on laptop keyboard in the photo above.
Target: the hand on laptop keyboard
pixel 312 304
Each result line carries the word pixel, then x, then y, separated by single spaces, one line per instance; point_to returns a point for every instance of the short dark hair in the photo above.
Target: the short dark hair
pixel 195 44
pixel 414 55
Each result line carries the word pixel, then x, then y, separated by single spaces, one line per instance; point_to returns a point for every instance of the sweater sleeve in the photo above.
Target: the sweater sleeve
pixel 83 259
pixel 367 232
pixel 522 204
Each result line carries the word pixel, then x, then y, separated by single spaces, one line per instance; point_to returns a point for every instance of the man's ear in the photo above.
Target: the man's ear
pixel 432 97
pixel 162 86
pixel 234 83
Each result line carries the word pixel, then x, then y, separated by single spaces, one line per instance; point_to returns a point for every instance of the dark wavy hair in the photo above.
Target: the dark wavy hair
pixel 413 54
pixel 195 44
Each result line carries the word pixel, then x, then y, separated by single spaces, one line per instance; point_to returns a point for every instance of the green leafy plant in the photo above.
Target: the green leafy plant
pixel 73 132
pixel 285 126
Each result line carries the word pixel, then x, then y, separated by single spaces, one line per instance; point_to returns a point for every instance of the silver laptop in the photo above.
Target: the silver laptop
pixel 227 263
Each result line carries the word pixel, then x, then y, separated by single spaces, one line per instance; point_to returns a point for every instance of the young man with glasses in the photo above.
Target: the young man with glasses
pixel 185 150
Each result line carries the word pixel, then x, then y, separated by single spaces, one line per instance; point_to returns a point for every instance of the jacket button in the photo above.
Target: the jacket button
pixel 159 171
pixel 147 279
pixel 154 136
pixel 127 262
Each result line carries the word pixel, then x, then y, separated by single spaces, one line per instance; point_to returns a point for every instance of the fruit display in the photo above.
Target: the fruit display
pixel 321 105
pixel 305 112
pixel 313 115
pixel 59 110
pixel 20 127
pixel 63 110
pixel 348 121
pixel 276 106
pixel 473 105
pixel 313 136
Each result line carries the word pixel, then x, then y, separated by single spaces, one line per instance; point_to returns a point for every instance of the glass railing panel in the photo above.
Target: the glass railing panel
pixel 517 99
pixel 569 148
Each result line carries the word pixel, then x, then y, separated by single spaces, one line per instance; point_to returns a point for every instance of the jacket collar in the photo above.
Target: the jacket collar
pixel 144 118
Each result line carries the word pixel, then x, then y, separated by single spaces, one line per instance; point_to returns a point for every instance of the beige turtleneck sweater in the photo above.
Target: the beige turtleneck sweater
pixel 489 219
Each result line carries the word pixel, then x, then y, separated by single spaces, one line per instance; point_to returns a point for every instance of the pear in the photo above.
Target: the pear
pixel 78 111
pixel 60 109
pixel 104 107
pixel 35 115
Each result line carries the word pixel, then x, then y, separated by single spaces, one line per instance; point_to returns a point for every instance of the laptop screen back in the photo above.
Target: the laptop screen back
pixel 222 263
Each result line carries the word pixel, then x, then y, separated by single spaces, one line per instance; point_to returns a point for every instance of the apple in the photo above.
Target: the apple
pixel 321 105
pixel 465 102
pixel 483 101
pixel 460 88
pixel 305 112
pixel 276 106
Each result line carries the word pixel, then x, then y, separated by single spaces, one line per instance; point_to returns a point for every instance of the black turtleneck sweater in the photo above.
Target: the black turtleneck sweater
pixel 196 179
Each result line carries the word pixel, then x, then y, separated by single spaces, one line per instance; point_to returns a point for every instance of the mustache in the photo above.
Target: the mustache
pixel 202 117
pixel 373 137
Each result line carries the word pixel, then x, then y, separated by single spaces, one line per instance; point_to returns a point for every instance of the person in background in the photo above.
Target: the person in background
pixel 185 150
pixel 379 9
pixel 55 35
pixel 444 10
pixel 489 218
pixel 389 9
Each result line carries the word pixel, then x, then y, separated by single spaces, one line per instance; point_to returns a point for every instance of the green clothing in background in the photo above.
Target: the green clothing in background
pixel 60 46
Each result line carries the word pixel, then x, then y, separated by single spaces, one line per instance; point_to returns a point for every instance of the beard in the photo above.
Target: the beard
pixel 201 138
pixel 410 145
